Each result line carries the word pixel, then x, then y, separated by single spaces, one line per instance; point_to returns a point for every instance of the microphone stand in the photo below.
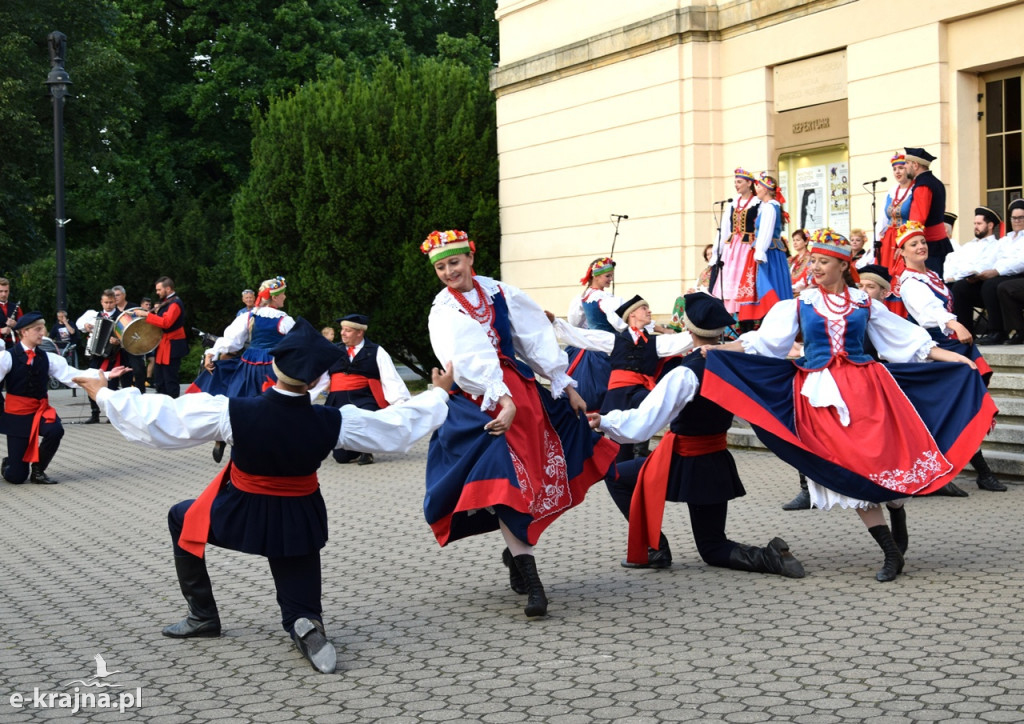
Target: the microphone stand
pixel 876 243
pixel 716 270
pixel 617 218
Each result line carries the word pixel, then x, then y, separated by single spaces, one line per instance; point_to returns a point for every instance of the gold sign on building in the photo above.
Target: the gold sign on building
pixel 809 82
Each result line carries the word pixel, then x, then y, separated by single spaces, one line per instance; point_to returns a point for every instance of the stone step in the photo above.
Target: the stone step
pixel 1007 384
pixel 1011 410
pixel 1007 357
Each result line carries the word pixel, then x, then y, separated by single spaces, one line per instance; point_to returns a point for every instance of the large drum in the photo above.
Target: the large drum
pixel 137 336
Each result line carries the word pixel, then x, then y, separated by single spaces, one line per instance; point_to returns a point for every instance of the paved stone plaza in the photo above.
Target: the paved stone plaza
pixel 425 634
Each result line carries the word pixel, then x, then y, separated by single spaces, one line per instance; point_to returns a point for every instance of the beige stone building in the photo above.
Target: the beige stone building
pixel 644 108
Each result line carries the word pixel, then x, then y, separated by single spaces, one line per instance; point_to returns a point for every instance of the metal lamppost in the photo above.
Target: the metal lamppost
pixel 58 81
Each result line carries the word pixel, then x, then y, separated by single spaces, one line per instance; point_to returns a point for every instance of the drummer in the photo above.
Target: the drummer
pixel 136 361
pixel 104 355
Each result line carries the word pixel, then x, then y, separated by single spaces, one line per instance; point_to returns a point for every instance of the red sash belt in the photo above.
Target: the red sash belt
pixel 196 529
pixel 648 505
pixel 345 382
pixel 163 350
pixel 40 410
pixel 628 378
pixel 935 232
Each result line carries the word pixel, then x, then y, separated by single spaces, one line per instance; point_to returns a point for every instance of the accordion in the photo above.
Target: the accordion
pixel 99 344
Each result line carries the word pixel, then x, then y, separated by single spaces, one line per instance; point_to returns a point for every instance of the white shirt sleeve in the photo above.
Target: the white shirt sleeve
pixel 777 332
pixel 61 371
pixel 670 345
pixel 895 339
pixel 595 340
pixel 395 390
pixel 534 340
pixel 458 339
pixel 576 316
pixel 672 393
pixel 960 264
pixel 88 318
pixel 1011 255
pixel 608 305
pixel 766 215
pixel 395 428
pixel 922 305
pixel 233 339
pixel 164 422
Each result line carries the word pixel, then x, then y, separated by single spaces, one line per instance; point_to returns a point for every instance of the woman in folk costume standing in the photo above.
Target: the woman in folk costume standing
pixel 735 244
pixel 895 213
pixel 594 309
pixel 766 279
pixel 511 456
pixel 929 302
pixel 252 373
pixel 863 432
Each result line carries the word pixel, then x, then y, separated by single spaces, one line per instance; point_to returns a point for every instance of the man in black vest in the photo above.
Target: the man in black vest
pixel 928 205
pixel 364 376
pixel 170 317
pixel 32 427
pixel 115 355
pixel 267 501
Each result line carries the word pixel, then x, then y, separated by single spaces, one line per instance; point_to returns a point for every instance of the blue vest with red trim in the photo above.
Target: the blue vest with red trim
pixel 179 347
pixel 818 350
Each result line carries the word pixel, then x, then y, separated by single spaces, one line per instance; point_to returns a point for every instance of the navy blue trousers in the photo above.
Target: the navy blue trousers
pixel 50 434
pixel 296 578
pixel 706 521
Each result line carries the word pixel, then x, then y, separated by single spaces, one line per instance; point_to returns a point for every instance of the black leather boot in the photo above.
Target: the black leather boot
pixel 311 640
pixel 802 501
pixel 218 450
pixel 773 558
pixel 986 478
pixel 536 601
pixel 898 524
pixel 515 578
pixel 202 619
pixel 660 557
pixel 39 476
pixel 893 564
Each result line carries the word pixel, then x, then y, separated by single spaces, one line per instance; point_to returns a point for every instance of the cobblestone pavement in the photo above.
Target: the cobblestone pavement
pixel 426 634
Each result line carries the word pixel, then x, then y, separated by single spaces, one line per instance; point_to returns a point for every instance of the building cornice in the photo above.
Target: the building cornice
pixel 676 27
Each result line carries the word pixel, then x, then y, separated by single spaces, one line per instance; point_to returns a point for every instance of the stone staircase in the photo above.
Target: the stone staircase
pixel 1004 446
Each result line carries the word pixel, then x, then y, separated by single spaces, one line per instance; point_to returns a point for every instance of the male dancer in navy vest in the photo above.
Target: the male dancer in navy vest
pixel 691 464
pixel 267 500
pixel 32 427
pixel 170 317
pixel 364 376
pixel 928 205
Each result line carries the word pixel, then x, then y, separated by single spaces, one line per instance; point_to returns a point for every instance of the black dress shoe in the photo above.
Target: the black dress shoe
pixel 656 558
pixel 1015 338
pixel 365 459
pixel 988 481
pixel 992 338
pixel 218 450
pixel 93 420
pixel 39 477
pixel 951 490
pixel 311 640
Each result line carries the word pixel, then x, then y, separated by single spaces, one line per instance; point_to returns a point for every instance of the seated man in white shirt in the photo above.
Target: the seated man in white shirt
pixel 1011 290
pixel 972 275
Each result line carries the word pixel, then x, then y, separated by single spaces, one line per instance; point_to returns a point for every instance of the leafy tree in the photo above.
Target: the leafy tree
pixel 349 174
pixel 421 22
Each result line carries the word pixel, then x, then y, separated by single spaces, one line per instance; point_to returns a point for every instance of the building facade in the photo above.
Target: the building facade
pixel 643 109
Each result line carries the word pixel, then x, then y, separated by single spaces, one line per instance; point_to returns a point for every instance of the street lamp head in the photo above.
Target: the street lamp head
pixel 58 80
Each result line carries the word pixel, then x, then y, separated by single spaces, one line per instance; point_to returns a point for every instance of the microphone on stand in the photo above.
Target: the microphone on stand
pixel 876 181
pixel 620 216
pixel 723 202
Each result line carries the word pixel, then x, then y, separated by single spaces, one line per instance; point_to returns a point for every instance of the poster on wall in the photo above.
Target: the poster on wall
pixel 784 187
pixel 839 197
pixel 810 197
